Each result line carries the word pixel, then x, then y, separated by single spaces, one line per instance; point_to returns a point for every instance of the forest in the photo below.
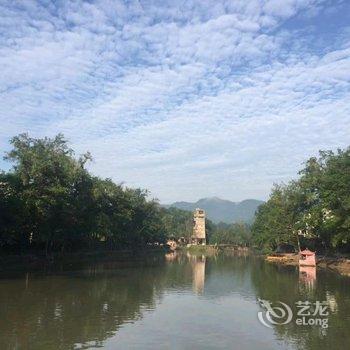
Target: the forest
pixel 50 202
pixel 312 211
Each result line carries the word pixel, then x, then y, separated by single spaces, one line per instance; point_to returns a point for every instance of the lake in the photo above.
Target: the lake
pixel 174 301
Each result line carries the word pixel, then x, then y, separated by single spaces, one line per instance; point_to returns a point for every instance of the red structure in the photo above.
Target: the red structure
pixel 307 258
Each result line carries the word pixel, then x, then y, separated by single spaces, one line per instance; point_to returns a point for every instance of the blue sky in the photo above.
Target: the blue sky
pixel 186 98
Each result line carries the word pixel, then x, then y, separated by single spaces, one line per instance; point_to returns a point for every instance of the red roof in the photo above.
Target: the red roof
pixel 307 252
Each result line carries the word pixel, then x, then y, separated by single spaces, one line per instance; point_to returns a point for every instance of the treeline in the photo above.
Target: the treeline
pixel 50 202
pixel 238 234
pixel 313 211
pixel 179 224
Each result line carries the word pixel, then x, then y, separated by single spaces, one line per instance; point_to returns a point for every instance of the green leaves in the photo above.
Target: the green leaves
pixel 49 201
pixel 50 197
pixel 177 223
pixel 316 206
pixel 236 234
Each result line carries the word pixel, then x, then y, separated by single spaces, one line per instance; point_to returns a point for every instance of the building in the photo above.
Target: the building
pixel 198 236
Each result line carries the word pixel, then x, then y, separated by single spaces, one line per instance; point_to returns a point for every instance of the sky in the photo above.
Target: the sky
pixel 187 99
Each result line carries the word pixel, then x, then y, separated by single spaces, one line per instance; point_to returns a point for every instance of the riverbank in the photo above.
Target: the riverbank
pixel 30 261
pixel 34 261
pixel 338 264
pixel 213 248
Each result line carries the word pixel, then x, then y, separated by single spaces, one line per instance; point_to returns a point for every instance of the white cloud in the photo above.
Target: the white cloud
pixel 205 99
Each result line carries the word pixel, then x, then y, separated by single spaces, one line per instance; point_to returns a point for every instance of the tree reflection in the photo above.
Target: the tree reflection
pixel 86 305
pixel 83 307
pixel 280 283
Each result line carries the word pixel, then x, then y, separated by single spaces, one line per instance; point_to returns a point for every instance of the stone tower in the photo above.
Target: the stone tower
pixel 198 236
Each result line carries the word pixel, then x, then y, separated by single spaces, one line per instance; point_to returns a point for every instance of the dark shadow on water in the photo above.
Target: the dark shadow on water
pixel 84 305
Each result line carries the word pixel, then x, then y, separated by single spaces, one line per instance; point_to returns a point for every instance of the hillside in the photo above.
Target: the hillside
pixel 218 209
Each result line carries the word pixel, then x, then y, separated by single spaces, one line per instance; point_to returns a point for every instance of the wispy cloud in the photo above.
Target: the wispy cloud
pixel 203 98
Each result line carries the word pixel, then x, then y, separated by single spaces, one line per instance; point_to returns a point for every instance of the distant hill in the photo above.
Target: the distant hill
pixel 221 210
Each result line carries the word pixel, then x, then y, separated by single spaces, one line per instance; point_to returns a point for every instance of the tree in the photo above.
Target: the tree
pixel 50 202
pixel 177 223
pixel 49 178
pixel 316 207
pixel 235 234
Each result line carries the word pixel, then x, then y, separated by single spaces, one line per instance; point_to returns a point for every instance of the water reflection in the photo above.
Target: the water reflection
pixel 166 302
pixel 307 276
pixel 198 268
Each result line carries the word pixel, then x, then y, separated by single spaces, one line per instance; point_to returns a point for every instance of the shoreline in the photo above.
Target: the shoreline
pixel 340 265
pixel 34 261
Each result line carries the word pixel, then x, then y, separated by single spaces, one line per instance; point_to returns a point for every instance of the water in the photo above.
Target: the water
pixel 169 302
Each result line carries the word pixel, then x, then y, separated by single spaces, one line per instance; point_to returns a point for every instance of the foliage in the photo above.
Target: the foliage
pixel 236 234
pixel 315 208
pixel 50 202
pixel 178 223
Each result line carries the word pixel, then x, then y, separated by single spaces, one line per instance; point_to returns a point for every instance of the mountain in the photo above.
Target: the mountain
pixel 218 209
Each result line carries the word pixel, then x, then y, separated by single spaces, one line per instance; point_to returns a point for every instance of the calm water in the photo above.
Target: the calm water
pixel 169 302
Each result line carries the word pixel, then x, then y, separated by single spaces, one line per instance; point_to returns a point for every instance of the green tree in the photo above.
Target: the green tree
pixel 50 202
pixel 316 207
